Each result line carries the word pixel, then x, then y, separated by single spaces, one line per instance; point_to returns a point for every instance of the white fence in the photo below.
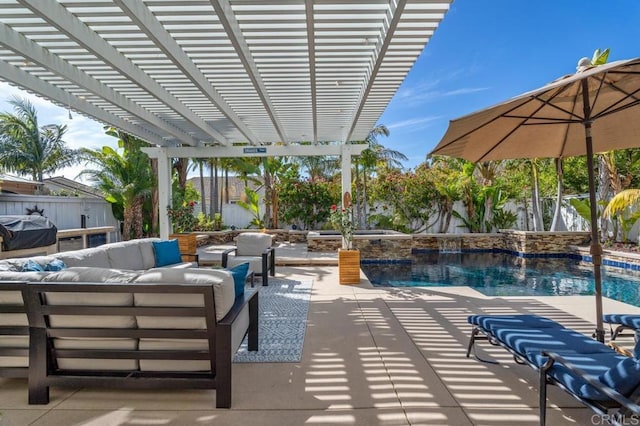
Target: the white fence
pixel 64 212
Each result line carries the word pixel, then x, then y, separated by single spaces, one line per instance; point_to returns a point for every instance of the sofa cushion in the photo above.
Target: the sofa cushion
pixel 22 276
pixel 91 275
pixel 253 243
pixel 174 365
pixel 104 364
pixel 167 252
pixel 223 291
pixel 239 273
pixel 148 254
pixel 623 377
pixel 126 255
pixel 93 257
pixel 255 263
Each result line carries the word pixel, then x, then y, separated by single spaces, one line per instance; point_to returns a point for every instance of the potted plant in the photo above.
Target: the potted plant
pixel 184 223
pixel 341 218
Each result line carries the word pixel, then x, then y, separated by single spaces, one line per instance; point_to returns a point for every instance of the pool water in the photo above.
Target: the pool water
pixel 501 274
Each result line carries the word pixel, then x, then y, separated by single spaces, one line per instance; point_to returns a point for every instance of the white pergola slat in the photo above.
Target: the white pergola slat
pixel 219 72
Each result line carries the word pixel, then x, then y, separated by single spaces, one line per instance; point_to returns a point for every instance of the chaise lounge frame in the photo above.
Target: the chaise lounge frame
pixel 43 370
pixel 624 405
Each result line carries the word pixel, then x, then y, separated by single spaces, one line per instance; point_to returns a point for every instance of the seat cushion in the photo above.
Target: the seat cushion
pixel 223 293
pixel 253 243
pixel 167 252
pixel 489 322
pixel 255 263
pixel 527 341
pixel 596 365
pixel 628 320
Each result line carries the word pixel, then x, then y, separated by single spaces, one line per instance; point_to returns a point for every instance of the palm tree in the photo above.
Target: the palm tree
pixel 28 149
pixel 125 179
pixel 374 156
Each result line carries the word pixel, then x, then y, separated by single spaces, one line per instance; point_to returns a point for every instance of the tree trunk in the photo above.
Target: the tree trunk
pixel 364 200
pixel 155 199
pixel 558 224
pixel 216 187
pixel 267 194
pixel 604 193
pixel 536 208
pixel 203 195
pixel 212 200
pixel 137 217
pixel 181 165
pixel 358 197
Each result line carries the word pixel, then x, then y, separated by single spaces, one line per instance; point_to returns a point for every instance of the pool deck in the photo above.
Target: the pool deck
pixel 372 356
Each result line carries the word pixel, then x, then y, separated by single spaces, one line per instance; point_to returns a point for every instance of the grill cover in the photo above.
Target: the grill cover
pixel 24 232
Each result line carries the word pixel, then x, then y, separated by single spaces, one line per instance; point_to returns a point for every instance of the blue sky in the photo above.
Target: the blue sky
pixel 483 52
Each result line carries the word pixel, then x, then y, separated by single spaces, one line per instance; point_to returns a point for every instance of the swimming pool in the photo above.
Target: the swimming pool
pixel 501 274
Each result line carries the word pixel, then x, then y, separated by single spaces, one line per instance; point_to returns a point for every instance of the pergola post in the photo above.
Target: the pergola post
pixel 346 169
pixel 164 192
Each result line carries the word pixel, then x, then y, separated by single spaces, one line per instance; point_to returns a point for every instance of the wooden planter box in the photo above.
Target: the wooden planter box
pixel 349 266
pixel 188 245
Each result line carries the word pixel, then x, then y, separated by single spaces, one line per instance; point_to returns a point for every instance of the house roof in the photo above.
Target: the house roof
pixel 62 182
pixel 199 72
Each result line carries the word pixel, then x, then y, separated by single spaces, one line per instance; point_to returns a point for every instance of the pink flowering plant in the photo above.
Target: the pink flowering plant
pixel 341 219
pixel 182 217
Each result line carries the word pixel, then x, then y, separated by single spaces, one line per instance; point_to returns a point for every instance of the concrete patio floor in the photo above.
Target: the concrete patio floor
pixel 372 356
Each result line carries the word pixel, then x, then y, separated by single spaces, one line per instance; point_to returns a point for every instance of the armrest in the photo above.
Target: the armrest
pixel 606 390
pixel 249 295
pixel 194 257
pixel 225 256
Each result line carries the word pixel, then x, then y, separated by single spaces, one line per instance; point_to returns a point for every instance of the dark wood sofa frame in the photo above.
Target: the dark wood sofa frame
pixel 13 331
pixel 43 369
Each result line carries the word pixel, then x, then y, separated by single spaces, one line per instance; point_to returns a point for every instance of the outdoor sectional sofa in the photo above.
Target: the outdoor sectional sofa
pixel 112 318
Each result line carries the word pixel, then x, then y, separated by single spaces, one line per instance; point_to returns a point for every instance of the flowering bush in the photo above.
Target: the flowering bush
pixel 342 221
pixel 182 217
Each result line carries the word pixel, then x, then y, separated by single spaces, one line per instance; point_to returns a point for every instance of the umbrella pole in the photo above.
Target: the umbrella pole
pixel 596 248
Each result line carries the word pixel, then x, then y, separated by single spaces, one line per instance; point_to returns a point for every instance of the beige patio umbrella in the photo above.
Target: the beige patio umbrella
pixel 596 109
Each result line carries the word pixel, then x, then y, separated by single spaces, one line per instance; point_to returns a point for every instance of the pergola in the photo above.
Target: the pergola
pixel 220 78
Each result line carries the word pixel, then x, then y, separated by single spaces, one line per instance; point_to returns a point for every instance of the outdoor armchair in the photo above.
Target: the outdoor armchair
pixel 254 248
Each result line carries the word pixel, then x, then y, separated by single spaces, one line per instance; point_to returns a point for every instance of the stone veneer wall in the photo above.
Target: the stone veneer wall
pixel 542 242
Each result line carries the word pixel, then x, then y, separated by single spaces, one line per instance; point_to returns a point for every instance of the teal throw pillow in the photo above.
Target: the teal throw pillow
pixel 32 266
pixel 167 252
pixel 239 273
pixel 55 265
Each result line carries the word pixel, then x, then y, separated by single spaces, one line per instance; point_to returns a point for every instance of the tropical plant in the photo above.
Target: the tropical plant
pixel 125 179
pixel 582 207
pixel 28 149
pixel 304 201
pixel 621 207
pixel 252 205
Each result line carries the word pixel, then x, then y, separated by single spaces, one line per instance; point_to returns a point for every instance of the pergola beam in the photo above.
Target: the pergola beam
pixel 393 17
pixel 20 78
pixel 250 151
pixel 230 24
pixel 311 43
pixel 147 22
pixel 58 16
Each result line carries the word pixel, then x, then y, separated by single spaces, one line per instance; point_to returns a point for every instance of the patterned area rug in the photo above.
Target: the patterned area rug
pixel 283 320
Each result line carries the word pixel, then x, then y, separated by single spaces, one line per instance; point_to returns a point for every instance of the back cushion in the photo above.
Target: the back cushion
pixel 94 257
pixel 95 275
pixel 223 289
pixel 126 255
pixel 253 243
pixel 148 255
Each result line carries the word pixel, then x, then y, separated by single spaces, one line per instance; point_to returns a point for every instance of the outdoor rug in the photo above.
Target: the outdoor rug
pixel 283 320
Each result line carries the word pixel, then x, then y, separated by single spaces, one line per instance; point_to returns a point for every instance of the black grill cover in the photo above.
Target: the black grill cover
pixel 24 232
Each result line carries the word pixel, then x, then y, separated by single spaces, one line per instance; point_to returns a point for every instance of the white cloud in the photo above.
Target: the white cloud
pixel 413 123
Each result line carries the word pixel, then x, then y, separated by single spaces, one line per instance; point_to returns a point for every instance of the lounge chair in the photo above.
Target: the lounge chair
pixel 623 322
pixel 588 370
pixel 254 248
